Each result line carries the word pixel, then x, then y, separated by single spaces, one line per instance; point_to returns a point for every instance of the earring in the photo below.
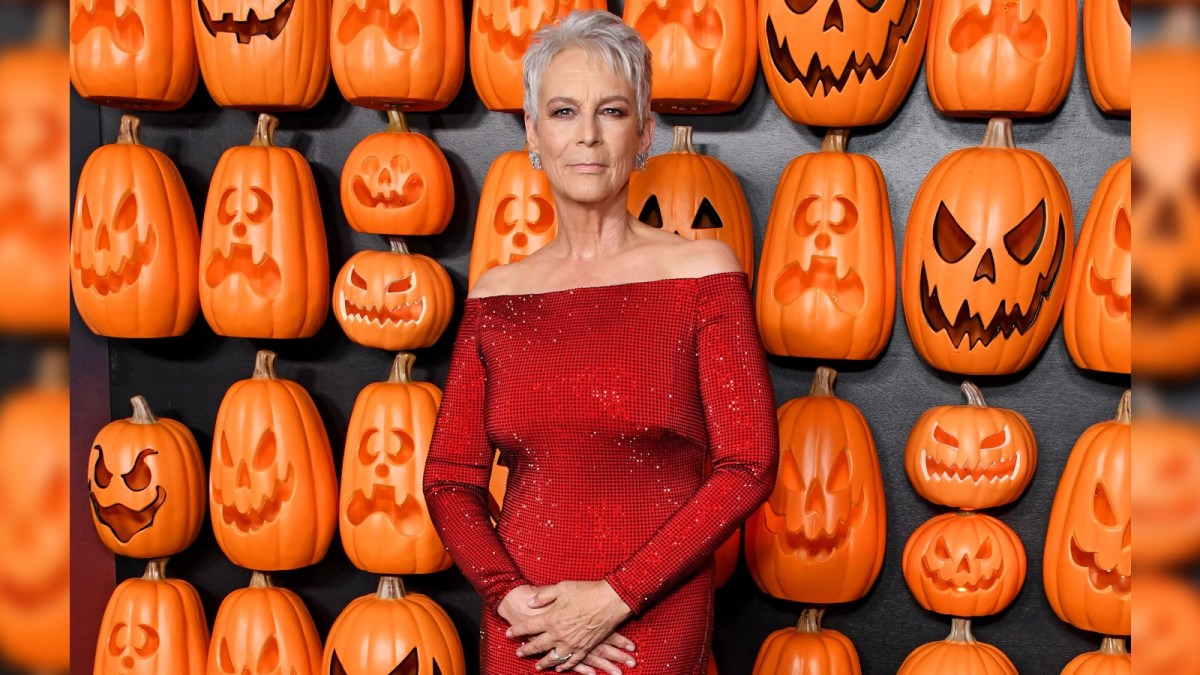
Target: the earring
pixel 639 161
pixel 535 160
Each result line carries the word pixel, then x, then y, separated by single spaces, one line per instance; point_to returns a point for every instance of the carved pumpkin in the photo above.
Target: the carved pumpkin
pixel 516 214
pixel 807 648
pixel 820 537
pixel 1096 319
pixel 263 54
pixel 264 630
pixel 272 488
pixel 1165 490
pixel 142 57
pixel 1001 57
pixel 146 485
pixel 397 182
pixel 393 631
pixel 1111 659
pixel 705 57
pixel 694 196
pixel 984 272
pixel 501 31
pixel 411 57
pixel 841 63
pixel 1165 624
pixel 970 456
pixel 964 564
pixel 1107 51
pixel 827 277
pixel 264 266
pixel 152 626
pixel 134 242
pixel 958 653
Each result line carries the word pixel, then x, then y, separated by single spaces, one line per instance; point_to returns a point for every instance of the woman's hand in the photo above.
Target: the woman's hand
pixel 576 617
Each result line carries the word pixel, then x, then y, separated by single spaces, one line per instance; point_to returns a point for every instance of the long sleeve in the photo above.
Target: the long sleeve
pixel 458 469
pixel 739 410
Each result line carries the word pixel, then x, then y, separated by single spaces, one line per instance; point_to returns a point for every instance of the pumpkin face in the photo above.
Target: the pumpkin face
pixel 264 630
pixel 516 214
pixel 1010 57
pixel 1097 322
pixel 984 275
pixel 1165 624
pixel 820 536
pixel 1165 490
pixel 807 648
pixel 705 57
pixel 1088 564
pixel 152 626
pixel 959 653
pixel 263 54
pixel 694 196
pixel 1107 52
pixel 142 57
pixel 264 266
pixel 964 564
pixel 840 63
pixel 388 58
pixel 827 280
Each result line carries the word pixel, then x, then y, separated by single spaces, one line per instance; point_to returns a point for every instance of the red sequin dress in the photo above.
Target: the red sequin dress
pixel 603 402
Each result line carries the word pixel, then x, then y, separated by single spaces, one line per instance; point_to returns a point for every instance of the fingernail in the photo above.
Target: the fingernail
pixel 631 663
pixel 520 654
pixel 508 633
pixel 630 648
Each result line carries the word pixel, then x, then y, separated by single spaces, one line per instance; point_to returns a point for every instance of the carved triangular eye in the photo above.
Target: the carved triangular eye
pixel 985 550
pixel 651 213
pixel 944 437
pixel 949 238
pixel 1102 506
pixel 411 665
pixel 101 476
pixel 707 217
pixel 1024 240
pixel 139 476
pixel 336 668
pixel 85 214
pixel 940 549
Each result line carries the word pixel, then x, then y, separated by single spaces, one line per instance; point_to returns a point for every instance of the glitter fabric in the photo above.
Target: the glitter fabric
pixel 603 402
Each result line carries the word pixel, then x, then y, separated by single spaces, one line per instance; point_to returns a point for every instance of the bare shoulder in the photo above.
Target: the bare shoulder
pixel 495 281
pixel 703 257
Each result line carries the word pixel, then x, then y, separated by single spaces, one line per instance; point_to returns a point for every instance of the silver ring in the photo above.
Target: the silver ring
pixel 560 659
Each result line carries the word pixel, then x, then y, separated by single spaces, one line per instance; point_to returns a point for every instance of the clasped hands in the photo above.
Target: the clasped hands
pixel 578 618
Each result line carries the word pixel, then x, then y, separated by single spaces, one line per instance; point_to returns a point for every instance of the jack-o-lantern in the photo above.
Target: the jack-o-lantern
pixel 964 564
pixel 393 300
pixel 397 182
pixel 264 264
pixel 827 275
pixel 411 55
pixel 152 626
pixel 807 648
pixel 820 537
pixel 841 63
pixel 263 54
pixel 1107 50
pixel 142 57
pixel 264 630
pixel 984 270
pixel 695 196
pixel 501 31
pixel 272 489
pixel 1088 564
pixel 393 631
pixel 1096 319
pixel 970 456
pixel 1111 659
pixel 146 485
pixel 1165 490
pixel 385 524
pixel 516 214
pixel 1165 624
pixel 958 653
pixel 705 57
pixel 134 242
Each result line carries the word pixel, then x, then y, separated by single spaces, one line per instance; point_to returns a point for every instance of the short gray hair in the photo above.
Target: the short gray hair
pixel 599 33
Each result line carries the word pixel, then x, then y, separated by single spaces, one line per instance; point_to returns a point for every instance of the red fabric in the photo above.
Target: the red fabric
pixel 603 402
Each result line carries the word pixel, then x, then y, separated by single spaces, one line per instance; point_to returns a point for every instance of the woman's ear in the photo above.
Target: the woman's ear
pixel 530 134
pixel 647 139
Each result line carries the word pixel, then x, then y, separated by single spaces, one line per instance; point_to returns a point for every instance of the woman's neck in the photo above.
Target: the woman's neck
pixel 586 232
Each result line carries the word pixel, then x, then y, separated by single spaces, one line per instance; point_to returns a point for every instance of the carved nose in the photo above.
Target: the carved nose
pixel 381 470
pixel 102 239
pixel 385 177
pixel 127 662
pixel 243 476
pixel 964 565
pixel 239 230
pixel 823 240
pixel 987 268
pixel 520 240
pixel 833 19
pixel 814 502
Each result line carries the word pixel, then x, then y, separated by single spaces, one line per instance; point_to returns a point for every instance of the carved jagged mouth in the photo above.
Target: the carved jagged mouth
pixel 1126 7
pixel 127 31
pixel 406 517
pixel 383 316
pixel 254 519
pixel 401 29
pixel 252 26
pixel 1160 309
pixel 846 293
pixel 512 41
pixel 125 275
pixel 1100 578
pixel 965 587
pixel 820 544
pixel 263 277
pixel 706 29
pixel 1116 305
pixel 1005 322
pixel 389 198
pixel 997 472
pixel 1030 38
pixel 31 596
pixel 821 74
pixel 123 521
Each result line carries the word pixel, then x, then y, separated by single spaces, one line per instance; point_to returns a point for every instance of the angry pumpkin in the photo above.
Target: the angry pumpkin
pixel 264 630
pixel 516 214
pixel 964 564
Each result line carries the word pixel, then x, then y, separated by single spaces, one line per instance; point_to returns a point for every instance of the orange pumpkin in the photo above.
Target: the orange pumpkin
pixel 827 277
pixel 1096 319
pixel 263 54
pixel 1107 50
pixel 984 270
pixel 152 625
pixel 694 196
pixel 263 630
pixel 958 653
pixel 397 182
pixel 1165 624
pixel 705 58
pixel 1111 659
pixel 272 488
pixel 134 242
pixel 1003 57
pixel 516 214
pixel 264 266
pixel 807 648
pixel 393 631
pixel 711 669
pixel 146 485
pixel 820 537
pixel 411 57
pixel 1165 490
pixel 964 564
pixel 970 456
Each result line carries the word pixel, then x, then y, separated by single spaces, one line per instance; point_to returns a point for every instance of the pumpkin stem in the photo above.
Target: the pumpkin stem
pixel 264 365
pixel 1125 408
pixel 822 382
pixel 391 588
pixel 260 580
pixel 402 368
pixel 264 131
pixel 682 143
pixel 156 570
pixel 396 122
pixel 128 135
pixel 974 394
pixel 999 134
pixel 141 411
pixel 835 140
pixel 1114 646
pixel 49 32
pixel 810 620
pixel 960 631
pixel 397 245
pixel 52 368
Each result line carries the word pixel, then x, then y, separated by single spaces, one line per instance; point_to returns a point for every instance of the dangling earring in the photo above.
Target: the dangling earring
pixel 535 160
pixel 639 161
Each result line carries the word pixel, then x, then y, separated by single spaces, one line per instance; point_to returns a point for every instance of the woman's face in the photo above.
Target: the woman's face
pixel 587 129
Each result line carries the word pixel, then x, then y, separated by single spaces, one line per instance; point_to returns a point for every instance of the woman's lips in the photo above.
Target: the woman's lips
pixel 589 167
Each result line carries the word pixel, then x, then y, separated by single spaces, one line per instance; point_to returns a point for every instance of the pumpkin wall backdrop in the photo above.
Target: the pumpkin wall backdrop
pixel 185 377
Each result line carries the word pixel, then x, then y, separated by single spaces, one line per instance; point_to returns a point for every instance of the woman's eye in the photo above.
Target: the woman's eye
pixel 561 112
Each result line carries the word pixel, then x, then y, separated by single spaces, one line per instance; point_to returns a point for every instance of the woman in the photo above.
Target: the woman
pixel 605 367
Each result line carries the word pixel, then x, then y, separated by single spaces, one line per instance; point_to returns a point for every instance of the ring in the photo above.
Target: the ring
pixel 560 659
